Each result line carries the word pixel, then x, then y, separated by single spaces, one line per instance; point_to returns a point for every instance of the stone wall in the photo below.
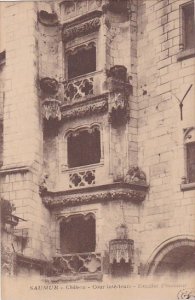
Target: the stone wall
pixel 168 211
pixel 22 165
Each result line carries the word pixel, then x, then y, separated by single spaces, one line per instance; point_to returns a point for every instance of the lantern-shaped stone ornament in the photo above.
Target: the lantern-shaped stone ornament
pixel 121 252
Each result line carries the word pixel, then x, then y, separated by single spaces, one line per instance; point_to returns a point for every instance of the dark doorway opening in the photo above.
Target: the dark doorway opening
pixel 179 260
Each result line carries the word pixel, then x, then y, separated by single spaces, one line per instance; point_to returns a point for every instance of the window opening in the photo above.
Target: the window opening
pixel 82 62
pixel 84 148
pixel 188 26
pixel 78 234
pixel 191 162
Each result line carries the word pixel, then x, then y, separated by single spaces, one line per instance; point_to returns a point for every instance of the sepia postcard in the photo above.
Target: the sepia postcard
pixel 97 149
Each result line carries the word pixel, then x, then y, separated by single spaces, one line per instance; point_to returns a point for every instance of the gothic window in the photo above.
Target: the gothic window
pixel 190 149
pixel 190 154
pixel 82 61
pixel 78 234
pixel 84 147
pixel 188 28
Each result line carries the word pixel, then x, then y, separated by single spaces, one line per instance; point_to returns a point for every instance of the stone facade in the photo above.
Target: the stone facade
pixel 131 99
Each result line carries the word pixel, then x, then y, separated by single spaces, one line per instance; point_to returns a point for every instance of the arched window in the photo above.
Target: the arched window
pixel 189 140
pixel 82 61
pixel 78 234
pixel 84 147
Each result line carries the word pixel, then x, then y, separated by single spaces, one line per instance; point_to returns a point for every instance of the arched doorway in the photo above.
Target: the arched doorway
pixel 174 257
pixel 78 234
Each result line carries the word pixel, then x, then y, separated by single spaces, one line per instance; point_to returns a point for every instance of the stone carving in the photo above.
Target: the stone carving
pixel 84 27
pixel 81 179
pixel 135 175
pixel 85 108
pixel 189 134
pixel 119 92
pixel 121 191
pixel 50 102
pixel 118 109
pixel 77 263
pixel 75 90
pixel 117 80
pixel 51 109
pixel 43 186
pixel 121 249
pixel 118 72
pixel 47 19
pixel 49 85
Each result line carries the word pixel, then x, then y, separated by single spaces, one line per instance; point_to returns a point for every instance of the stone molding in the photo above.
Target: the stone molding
pixel 94 105
pixel 163 249
pixel 110 192
pixel 81 26
pixel 14 169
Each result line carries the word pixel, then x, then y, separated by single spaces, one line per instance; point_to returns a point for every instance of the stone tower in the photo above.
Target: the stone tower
pixel 98 136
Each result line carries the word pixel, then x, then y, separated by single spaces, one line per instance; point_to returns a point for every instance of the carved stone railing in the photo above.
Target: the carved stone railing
pixel 130 192
pixel 77 263
pixel 93 93
pixel 83 87
pixel 81 178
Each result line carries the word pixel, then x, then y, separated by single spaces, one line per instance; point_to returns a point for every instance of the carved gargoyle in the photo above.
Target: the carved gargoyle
pixel 135 175
pixel 49 85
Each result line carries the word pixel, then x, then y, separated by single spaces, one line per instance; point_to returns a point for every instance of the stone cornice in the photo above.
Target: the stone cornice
pixel 81 26
pixel 109 192
pixel 93 105
pixel 14 169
